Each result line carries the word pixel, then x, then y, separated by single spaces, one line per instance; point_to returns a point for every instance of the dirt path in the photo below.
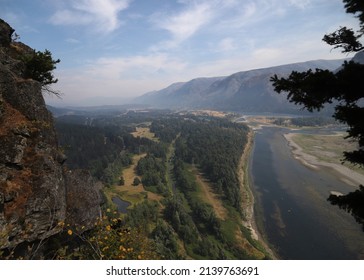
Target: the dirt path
pixel 210 197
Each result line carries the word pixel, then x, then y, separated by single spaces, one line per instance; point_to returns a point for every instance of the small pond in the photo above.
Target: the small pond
pixel 122 205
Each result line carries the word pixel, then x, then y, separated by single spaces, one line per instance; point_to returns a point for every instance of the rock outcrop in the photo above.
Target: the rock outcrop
pixel 36 192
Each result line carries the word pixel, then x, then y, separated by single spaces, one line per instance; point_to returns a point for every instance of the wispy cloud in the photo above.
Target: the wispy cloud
pixel 184 24
pixel 216 16
pixel 140 66
pixel 72 41
pixel 302 4
pixel 102 14
pixel 251 12
pixel 226 45
pixel 119 76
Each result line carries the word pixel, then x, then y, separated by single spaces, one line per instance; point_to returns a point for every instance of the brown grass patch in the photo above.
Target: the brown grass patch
pixel 144 132
pixel 211 113
pixel 209 196
pixel 132 193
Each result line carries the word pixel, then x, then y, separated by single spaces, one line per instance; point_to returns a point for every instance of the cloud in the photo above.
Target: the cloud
pixel 103 14
pixel 243 14
pixel 226 44
pixel 219 17
pixel 140 67
pixel 119 76
pixel 73 41
pixel 184 24
pixel 302 4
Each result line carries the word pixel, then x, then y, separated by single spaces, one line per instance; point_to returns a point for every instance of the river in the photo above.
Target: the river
pixel 292 210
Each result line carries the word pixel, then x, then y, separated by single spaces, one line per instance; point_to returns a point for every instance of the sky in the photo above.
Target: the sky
pixel 114 50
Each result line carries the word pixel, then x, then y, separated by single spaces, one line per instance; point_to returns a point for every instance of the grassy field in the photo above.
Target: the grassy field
pixel 328 148
pixel 207 195
pixel 144 132
pixel 128 192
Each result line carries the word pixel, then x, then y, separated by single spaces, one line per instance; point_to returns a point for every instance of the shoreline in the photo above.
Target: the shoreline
pixel 248 197
pixel 308 202
pixel 345 174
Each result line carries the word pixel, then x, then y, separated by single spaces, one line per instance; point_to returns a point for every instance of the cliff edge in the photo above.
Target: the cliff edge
pixel 37 193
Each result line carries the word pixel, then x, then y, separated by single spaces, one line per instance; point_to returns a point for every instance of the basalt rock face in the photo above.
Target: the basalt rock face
pixel 83 205
pixel 34 186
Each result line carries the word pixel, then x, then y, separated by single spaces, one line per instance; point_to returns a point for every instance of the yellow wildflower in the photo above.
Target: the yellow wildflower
pixel 108 227
pixel 105 248
pixel 69 232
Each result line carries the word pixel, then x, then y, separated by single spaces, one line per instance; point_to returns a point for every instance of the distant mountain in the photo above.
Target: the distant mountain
pixel 93 110
pixel 178 94
pixel 359 57
pixel 247 91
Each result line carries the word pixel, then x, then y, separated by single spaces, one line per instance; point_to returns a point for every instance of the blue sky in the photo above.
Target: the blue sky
pixel 111 50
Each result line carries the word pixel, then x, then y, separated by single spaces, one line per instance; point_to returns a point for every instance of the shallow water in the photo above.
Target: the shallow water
pixel 291 204
pixel 122 205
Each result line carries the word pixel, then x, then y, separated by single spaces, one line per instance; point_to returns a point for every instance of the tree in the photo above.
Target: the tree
pixel 136 181
pixel 315 89
pixel 39 67
pixel 121 181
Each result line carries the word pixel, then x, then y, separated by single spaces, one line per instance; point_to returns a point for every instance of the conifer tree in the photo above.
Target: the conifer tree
pixel 345 87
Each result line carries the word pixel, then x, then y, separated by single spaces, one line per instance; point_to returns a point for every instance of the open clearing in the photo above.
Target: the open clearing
pixel 209 196
pixel 144 132
pixel 128 192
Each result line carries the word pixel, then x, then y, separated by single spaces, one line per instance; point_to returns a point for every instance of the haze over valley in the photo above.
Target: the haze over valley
pixel 182 130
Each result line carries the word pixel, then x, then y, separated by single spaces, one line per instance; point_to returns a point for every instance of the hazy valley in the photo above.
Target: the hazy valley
pixel 213 168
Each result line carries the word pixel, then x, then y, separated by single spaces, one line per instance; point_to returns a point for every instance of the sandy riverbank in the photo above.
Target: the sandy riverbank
pixel 247 195
pixel 345 174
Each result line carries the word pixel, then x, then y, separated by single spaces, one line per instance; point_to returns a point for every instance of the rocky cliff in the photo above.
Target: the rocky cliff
pixel 37 194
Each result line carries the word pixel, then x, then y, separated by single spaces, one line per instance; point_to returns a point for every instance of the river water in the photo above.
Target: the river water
pixel 291 207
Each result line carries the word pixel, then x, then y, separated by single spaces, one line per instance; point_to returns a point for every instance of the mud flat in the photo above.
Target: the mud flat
pixel 346 174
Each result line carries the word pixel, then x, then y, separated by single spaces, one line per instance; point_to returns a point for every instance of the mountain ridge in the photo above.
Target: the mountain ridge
pixel 248 91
